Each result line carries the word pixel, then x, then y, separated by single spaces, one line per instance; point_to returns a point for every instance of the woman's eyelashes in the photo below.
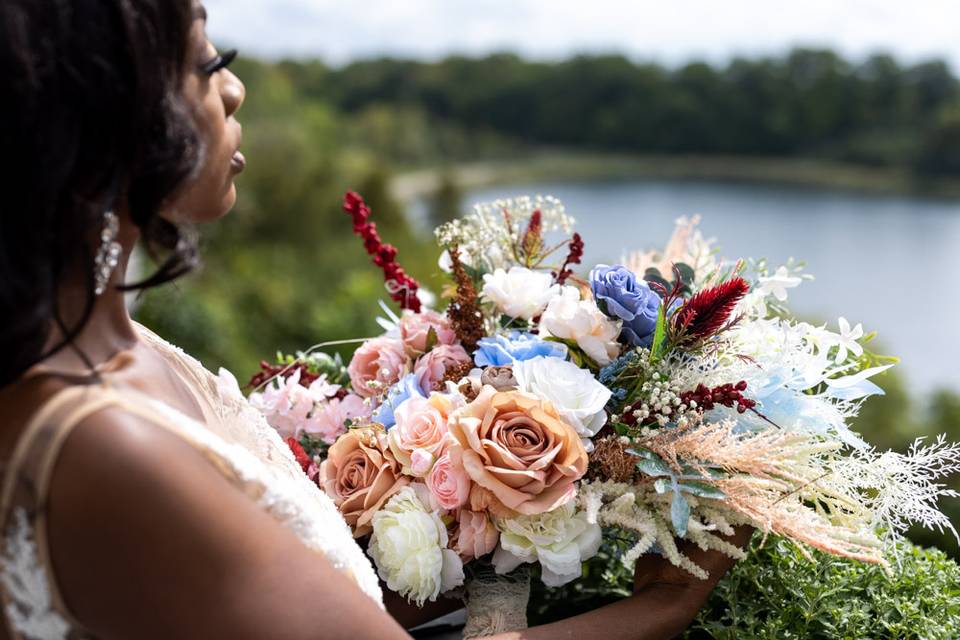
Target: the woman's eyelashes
pixel 220 61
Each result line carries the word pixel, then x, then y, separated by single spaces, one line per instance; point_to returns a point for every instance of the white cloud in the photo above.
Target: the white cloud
pixel 675 31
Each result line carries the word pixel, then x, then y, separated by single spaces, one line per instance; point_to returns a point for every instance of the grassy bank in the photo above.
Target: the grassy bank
pixel 569 166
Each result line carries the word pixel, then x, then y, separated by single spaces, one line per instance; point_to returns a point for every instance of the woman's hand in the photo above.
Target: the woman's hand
pixel 665 600
pixel 652 569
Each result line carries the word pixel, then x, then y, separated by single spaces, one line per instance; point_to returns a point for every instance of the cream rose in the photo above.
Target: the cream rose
pixel 518 451
pixel 569 318
pixel 560 540
pixel 519 292
pixel 359 475
pixel 376 365
pixel 409 547
pixel 574 392
pixel 420 434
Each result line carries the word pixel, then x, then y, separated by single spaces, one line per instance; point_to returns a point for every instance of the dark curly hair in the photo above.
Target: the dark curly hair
pixel 90 112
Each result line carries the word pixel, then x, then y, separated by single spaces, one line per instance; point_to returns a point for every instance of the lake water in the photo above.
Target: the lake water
pixel 892 263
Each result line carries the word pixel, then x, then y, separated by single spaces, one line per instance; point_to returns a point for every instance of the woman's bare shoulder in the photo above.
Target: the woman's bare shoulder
pixel 143 530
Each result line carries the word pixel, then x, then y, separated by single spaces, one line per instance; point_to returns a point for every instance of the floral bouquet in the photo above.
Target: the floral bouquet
pixel 672 396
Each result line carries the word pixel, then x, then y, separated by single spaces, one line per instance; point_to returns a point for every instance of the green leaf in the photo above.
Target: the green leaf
pixel 432 339
pixel 686 272
pixel 659 334
pixel 661 281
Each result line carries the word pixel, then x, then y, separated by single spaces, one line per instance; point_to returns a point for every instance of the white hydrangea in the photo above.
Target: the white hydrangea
pixel 519 292
pixel 574 392
pixel 560 540
pixel 409 547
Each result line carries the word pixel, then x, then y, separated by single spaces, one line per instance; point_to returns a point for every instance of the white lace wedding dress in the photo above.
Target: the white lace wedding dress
pixel 234 436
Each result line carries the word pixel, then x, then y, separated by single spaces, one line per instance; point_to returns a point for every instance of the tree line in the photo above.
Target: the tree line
pixel 812 103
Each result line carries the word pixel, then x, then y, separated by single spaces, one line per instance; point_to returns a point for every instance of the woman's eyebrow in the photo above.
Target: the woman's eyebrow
pixel 200 12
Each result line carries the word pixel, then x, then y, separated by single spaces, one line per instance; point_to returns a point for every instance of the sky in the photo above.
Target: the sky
pixel 669 31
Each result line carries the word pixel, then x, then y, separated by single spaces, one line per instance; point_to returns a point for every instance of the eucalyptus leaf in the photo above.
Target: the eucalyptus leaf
pixel 679 513
pixel 702 490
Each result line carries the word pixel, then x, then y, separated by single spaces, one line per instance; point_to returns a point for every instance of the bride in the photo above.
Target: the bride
pixel 142 497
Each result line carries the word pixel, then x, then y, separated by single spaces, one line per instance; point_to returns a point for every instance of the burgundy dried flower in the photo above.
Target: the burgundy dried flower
pixel 708 312
pixel 574 256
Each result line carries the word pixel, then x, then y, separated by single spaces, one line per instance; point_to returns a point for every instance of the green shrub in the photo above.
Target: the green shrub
pixel 778 594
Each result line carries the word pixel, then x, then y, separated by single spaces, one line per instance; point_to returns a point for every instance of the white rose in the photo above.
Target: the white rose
pixel 409 547
pixel 520 292
pixel 569 318
pixel 560 540
pixel 573 391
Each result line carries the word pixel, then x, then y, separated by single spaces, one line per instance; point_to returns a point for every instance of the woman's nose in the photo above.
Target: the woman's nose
pixel 233 93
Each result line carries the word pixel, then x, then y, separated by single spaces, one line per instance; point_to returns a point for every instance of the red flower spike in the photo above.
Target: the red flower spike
pixel 533 237
pixel 708 312
pixel 403 289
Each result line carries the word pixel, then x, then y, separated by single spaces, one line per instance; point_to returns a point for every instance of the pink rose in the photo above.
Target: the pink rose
pixel 376 365
pixel 420 434
pixel 329 418
pixel 415 329
pixel 474 536
pixel 449 484
pixel 431 368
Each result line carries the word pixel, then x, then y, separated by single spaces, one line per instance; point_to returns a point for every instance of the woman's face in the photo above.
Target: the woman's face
pixel 215 94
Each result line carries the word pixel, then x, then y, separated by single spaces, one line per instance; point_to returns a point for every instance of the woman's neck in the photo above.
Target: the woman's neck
pixel 109 329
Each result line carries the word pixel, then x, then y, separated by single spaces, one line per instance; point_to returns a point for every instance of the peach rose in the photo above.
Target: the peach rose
pixel 415 329
pixel 360 475
pixel 474 535
pixel 376 365
pixel 518 450
pixel 432 367
pixel 420 435
pixel 449 484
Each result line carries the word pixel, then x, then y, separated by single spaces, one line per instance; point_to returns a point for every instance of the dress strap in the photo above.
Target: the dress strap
pixel 27 477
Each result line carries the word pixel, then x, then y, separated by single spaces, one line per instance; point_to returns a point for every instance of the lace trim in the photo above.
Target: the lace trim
pixel 30 610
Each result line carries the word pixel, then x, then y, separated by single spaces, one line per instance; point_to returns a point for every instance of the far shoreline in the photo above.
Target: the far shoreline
pixel 551 166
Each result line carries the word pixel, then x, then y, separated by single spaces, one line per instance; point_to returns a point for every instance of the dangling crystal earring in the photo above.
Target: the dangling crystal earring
pixel 108 257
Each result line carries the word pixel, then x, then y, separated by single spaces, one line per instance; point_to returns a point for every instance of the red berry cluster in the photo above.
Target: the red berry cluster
pixel 573 257
pixel 300 454
pixel 728 395
pixel 402 287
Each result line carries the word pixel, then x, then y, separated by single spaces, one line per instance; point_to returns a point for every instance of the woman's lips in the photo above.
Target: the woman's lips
pixel 238 162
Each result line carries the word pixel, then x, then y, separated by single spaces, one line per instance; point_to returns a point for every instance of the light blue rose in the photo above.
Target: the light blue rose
pixel 621 295
pixel 403 390
pixel 500 351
